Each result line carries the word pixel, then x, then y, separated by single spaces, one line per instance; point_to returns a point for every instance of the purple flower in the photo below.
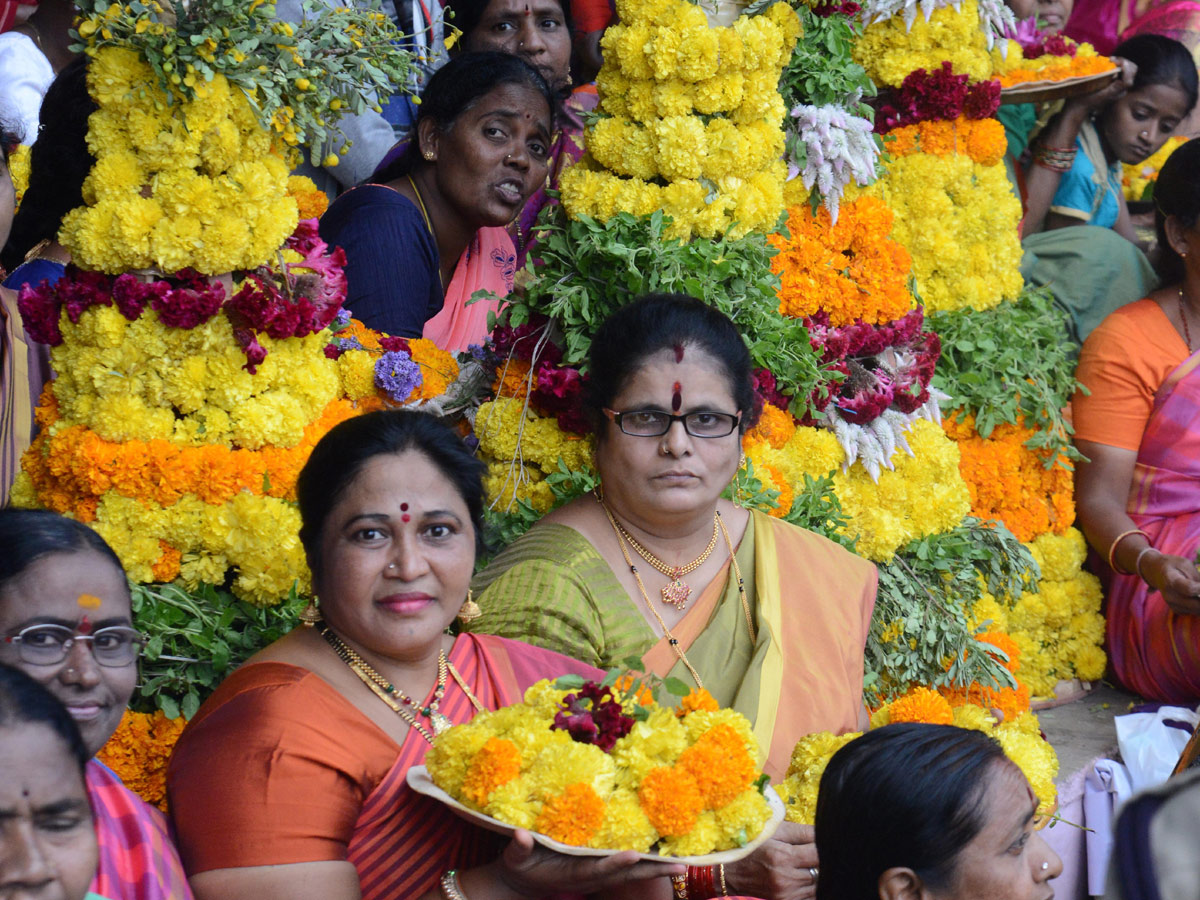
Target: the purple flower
pixel 396 373
pixel 342 319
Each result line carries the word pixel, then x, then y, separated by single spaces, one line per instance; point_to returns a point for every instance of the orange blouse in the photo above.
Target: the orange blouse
pixel 1123 363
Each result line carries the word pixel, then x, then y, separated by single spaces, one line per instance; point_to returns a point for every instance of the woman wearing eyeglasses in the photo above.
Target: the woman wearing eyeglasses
pixel 65 620
pixel 771 619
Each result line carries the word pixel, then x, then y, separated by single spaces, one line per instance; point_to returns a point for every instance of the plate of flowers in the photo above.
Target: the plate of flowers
pixel 593 768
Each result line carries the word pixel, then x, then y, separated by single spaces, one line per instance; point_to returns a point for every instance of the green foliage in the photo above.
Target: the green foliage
pixel 311 72
pixel 747 490
pixel 196 639
pixel 586 270
pixel 1010 364
pixel 925 597
pixel 817 508
pixel 822 71
pixel 503 526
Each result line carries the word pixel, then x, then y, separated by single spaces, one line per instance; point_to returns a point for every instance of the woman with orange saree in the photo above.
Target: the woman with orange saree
pixel 769 618
pixel 290 782
pixel 1137 425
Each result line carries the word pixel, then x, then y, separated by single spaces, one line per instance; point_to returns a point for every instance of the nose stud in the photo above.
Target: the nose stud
pixel 1045 865
pixel 391 566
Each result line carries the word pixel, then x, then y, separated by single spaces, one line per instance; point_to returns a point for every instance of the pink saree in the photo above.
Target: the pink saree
pixel 488 264
pixel 1105 23
pixel 1155 651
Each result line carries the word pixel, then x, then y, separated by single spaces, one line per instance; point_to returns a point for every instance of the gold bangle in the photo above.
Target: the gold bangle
pixel 451 889
pixel 679 883
pixel 721 876
pixel 1112 549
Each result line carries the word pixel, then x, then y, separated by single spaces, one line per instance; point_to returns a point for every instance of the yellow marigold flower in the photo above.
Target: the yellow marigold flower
pixel 565 762
pixel 671 800
pixel 974 717
pixel 1035 758
pixel 742 819
pixel 889 50
pixel 702 838
pixel 513 802
pixel 651 744
pixel 809 758
pixel 626 825
pixel 573 816
pixel 497 762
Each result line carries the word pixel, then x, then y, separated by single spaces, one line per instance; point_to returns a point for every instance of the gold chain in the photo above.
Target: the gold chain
pixel 388 692
pixel 671 639
pixel 676 592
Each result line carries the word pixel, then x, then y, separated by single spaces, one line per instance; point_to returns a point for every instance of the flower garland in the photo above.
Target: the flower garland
pixel 142 380
pixel 590 766
pixel 982 140
pixel 924 495
pixel 18 170
pixel 958 219
pixel 217 199
pixel 937 94
pixel 508 430
pixel 690 121
pixel 138 752
pixel 889 50
pixel 852 270
pixel 1010 482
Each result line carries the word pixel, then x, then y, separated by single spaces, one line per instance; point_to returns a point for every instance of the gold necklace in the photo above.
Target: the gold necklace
pixel 1187 332
pixel 671 639
pixel 675 592
pixel 389 693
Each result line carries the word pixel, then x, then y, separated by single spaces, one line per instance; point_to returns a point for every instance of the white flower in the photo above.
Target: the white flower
pixel 827 146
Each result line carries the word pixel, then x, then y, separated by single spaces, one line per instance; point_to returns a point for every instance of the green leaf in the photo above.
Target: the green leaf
pixel 169 707
pixel 676 687
pixel 569 682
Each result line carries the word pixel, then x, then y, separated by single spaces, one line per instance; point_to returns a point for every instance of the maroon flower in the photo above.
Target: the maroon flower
pixel 39 312
pixel 593 716
pixel 395 345
pixel 255 352
pixel 193 300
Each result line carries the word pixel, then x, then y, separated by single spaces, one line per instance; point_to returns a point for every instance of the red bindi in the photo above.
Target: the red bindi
pixel 85 624
pixel 406 518
pixel 679 353
pixel 403 507
pixel 676 398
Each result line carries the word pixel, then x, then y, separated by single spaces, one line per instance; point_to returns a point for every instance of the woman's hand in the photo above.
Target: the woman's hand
pixel 1097 100
pixel 778 870
pixel 1177 578
pixel 530 870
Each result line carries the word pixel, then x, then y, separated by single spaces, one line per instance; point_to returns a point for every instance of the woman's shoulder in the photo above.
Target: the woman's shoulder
pixel 794 543
pixel 548 544
pixel 1131 326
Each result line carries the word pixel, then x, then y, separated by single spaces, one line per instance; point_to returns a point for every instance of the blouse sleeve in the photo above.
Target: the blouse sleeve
pixel 275 774
pixel 392 264
pixel 1120 395
pixel 1076 192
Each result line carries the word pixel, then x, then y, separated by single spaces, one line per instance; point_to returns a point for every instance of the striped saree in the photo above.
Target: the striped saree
pixel 1155 651
pixel 810 600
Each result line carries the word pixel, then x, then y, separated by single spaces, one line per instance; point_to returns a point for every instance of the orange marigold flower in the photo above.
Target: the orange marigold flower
pixel 983 140
pixel 1011 702
pixel 671 800
pixel 720 764
pixel 513 378
pixel 310 200
pixel 772 477
pixel 922 705
pixel 852 270
pixel 573 816
pixel 138 752
pixel 1005 643
pixel 365 336
pixel 438 368
pixel 167 566
pixel 1061 68
pixel 775 427
pixel 699 700
pixel 497 763
pixel 624 685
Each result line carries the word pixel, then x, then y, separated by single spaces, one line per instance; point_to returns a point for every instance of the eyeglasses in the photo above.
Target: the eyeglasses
pixel 653 423
pixel 48 645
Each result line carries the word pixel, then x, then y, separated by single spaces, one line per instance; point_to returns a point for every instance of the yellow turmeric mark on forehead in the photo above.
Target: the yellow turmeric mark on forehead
pixel 88 601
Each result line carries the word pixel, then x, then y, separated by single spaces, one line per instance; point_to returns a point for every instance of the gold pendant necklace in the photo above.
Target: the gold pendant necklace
pixel 671 639
pixel 389 693
pixel 676 591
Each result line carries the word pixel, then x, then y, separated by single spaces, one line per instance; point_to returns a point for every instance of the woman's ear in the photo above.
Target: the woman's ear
pixel 900 884
pixel 427 139
pixel 1176 235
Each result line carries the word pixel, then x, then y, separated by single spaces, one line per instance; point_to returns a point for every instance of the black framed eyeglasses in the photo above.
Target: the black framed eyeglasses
pixel 654 422
pixel 48 645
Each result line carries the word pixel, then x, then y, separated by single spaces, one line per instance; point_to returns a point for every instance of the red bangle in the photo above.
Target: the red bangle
pixel 701 883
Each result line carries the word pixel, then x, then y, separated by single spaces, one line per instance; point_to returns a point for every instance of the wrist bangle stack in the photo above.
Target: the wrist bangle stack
pixel 702 882
pixel 680 884
pixel 1137 566
pixel 1112 549
pixel 724 888
pixel 1056 159
pixel 451 889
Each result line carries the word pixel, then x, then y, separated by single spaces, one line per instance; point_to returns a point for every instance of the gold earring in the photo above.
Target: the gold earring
pixel 429 155
pixel 470 610
pixel 311 614
pixel 742 460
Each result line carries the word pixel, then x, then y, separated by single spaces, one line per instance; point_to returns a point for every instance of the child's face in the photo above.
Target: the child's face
pixel 1136 125
pixel 1053 13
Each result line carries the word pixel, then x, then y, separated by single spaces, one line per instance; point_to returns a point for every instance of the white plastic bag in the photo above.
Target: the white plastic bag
pixel 1149 747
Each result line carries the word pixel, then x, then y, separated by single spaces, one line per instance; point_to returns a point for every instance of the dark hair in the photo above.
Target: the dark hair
pixel 58 163
pixel 456 87
pixel 27 535
pixel 25 702
pixel 655 323
pixel 907 795
pixel 1161 60
pixel 340 455
pixel 467 14
pixel 1176 193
